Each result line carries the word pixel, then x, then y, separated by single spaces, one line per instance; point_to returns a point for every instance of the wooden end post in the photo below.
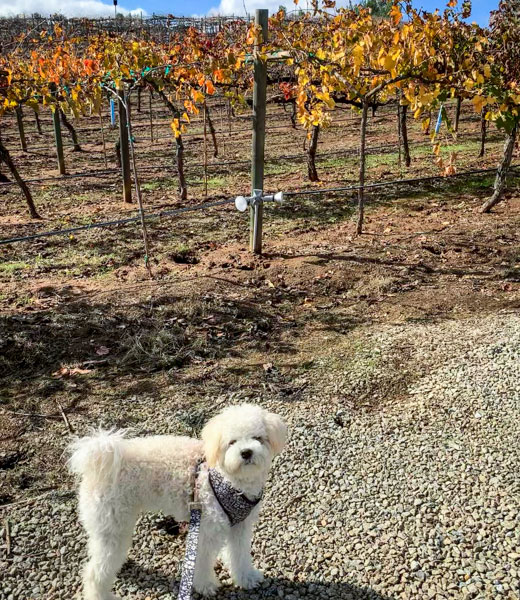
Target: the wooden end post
pixel 257 162
pixel 123 145
pixel 57 138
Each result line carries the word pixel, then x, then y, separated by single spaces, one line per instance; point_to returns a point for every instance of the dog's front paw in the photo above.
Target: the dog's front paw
pixel 249 579
pixel 207 588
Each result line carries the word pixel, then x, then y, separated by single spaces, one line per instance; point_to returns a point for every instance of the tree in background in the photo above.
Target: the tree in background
pixel 379 8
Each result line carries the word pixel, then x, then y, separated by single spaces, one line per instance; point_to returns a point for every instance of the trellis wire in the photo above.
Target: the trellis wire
pixel 373 150
pixel 101 224
pixel 398 182
pixel 218 203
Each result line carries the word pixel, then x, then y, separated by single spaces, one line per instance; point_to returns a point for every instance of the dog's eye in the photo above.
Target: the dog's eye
pixel 232 442
pixel 259 438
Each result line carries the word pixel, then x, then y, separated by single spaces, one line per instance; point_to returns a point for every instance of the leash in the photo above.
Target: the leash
pixel 188 567
pixel 235 504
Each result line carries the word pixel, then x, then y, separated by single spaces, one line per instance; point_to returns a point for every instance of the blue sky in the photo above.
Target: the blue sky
pixel 480 12
pixel 77 8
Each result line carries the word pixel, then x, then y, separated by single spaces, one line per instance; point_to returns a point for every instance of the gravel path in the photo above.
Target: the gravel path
pixel 415 496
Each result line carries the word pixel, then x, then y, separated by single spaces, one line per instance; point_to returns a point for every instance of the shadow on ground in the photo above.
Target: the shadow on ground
pixel 273 587
pixel 142 336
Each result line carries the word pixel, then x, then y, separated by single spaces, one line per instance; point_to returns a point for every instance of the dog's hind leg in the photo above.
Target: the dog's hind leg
pixel 107 547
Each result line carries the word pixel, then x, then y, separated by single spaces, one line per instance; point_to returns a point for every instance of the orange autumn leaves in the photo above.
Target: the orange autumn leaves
pixel 329 55
pixel 54 70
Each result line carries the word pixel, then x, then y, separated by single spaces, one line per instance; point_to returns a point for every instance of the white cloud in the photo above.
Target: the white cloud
pixel 241 7
pixel 72 8
pixel 236 7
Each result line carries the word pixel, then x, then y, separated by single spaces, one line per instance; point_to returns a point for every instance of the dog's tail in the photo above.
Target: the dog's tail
pixel 98 458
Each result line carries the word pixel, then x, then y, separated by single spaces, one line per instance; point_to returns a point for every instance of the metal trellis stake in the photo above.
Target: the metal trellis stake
pixel 257 162
pixel 138 191
pixel 123 145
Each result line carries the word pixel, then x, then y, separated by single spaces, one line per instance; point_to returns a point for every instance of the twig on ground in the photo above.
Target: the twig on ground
pixel 93 362
pixel 65 418
pixel 28 501
pixel 37 415
pixel 7 538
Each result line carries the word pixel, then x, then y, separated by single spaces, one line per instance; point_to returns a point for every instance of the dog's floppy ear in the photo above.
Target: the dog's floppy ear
pixel 276 431
pixel 211 436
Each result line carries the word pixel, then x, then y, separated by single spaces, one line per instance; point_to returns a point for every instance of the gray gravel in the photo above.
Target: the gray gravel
pixel 415 494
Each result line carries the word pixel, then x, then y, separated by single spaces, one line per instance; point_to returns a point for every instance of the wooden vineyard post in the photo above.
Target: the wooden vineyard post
pixel 362 159
pixel 151 115
pixel 230 115
pixel 205 153
pixel 399 158
pixel 57 137
pixel 222 132
pixel 257 159
pixel 457 113
pixel 38 123
pixel 103 138
pixel 123 145
pixel 19 121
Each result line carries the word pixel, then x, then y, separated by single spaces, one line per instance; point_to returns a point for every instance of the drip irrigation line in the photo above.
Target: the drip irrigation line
pixel 101 224
pixel 397 182
pixel 217 203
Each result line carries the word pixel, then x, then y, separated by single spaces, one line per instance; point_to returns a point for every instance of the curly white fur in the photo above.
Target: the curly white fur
pixel 121 478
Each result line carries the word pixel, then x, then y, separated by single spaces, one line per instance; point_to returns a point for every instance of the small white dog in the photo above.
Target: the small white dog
pixel 121 478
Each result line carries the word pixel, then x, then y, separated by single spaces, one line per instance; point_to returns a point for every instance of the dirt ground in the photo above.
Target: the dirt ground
pixel 85 333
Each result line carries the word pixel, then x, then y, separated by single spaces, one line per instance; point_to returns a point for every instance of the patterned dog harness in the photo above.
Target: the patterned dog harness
pixel 233 502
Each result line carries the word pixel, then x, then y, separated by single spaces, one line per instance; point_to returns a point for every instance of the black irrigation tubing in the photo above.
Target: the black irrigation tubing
pixel 396 182
pixel 163 115
pixel 159 215
pixel 226 136
pixel 207 205
pixel 380 114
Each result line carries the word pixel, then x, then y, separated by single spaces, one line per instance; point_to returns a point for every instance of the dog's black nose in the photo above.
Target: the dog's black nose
pixel 246 454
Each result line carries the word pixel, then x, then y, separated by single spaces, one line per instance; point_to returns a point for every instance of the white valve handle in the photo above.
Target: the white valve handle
pixel 242 203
